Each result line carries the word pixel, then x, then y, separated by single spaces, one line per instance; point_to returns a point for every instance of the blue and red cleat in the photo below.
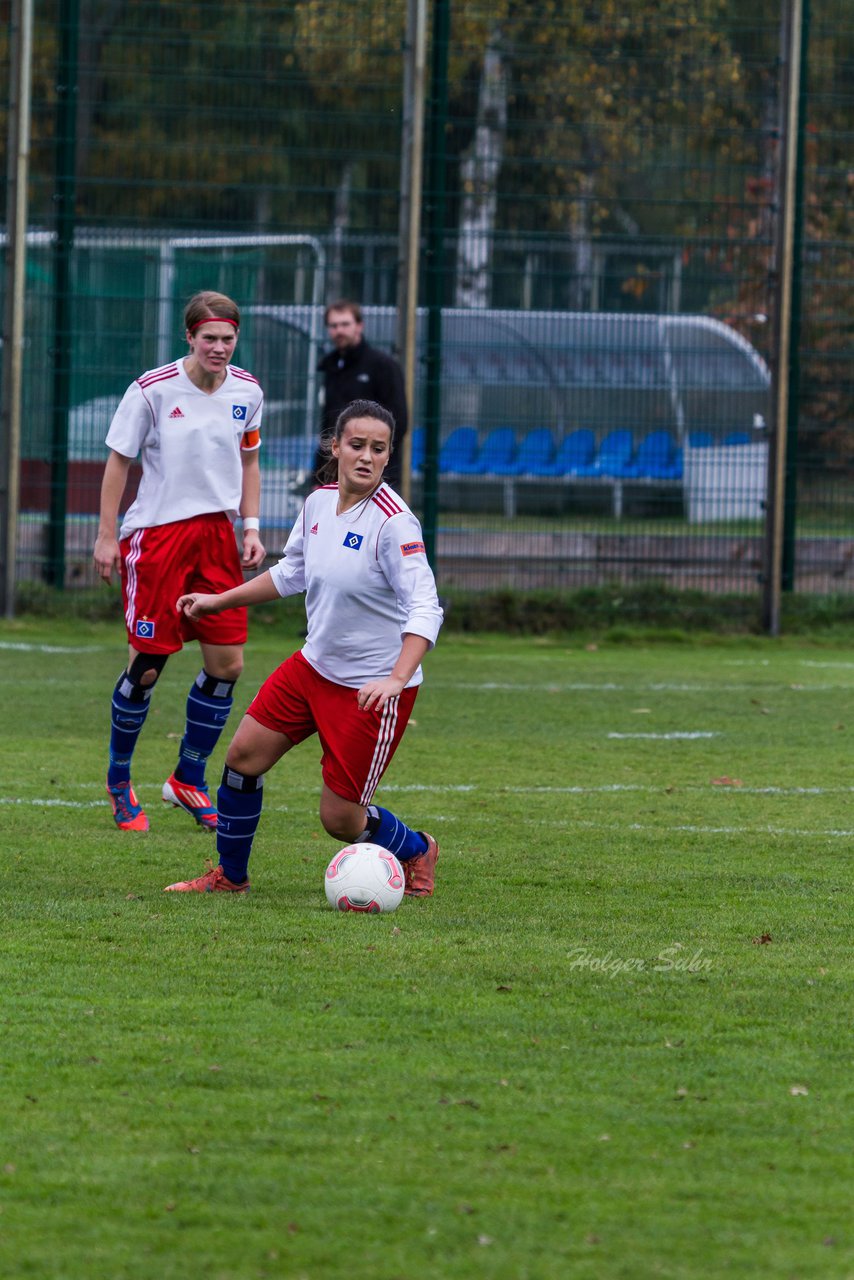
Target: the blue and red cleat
pixel 128 813
pixel 194 800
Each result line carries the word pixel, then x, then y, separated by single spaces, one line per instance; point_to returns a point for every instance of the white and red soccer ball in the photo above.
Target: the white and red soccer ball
pixel 364 877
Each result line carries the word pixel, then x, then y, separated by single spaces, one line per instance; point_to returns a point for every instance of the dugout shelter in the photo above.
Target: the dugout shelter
pixel 542 409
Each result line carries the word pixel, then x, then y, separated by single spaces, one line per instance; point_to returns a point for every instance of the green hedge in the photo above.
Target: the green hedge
pixel 618 612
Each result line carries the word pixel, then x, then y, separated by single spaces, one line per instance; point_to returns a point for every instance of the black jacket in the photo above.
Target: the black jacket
pixel 364 373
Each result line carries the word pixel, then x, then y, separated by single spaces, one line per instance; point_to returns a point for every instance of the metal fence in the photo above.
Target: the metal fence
pixel 603 283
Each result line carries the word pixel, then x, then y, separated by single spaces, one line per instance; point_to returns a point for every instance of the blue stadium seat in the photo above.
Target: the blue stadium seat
pixel 419 444
pixel 536 453
pixel 654 459
pixel 498 453
pixel 737 437
pixel 459 452
pixel 614 456
pixel 700 439
pixel 574 451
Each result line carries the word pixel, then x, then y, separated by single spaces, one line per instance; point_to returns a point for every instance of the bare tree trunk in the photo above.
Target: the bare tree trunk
pixel 479 170
pixel 770 143
pixel 582 245
pixel 340 224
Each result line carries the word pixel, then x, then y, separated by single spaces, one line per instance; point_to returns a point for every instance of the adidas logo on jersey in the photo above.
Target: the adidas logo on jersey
pixel 176 413
pixel 314 528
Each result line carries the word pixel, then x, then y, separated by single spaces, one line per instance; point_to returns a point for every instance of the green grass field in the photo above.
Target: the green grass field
pixel 617 1043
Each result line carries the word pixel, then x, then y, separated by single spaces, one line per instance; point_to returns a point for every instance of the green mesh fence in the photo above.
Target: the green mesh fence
pixel 599 271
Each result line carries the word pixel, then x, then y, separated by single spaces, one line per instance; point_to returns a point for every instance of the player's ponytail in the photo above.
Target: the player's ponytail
pixel 327 472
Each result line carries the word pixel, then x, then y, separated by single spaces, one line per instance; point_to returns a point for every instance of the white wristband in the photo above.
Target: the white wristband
pixel 251 523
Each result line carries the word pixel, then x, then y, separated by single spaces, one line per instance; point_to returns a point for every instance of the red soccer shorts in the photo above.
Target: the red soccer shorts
pixel 357 745
pixel 165 561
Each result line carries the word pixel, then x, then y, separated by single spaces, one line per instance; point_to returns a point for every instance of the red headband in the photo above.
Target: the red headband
pixel 215 319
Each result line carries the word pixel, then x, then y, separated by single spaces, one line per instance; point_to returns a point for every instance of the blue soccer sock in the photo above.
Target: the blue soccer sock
pixel 239 801
pixel 208 705
pixel 384 829
pixel 127 716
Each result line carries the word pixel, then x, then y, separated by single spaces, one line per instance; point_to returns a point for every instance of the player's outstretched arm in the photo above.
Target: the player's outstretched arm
pixel 197 604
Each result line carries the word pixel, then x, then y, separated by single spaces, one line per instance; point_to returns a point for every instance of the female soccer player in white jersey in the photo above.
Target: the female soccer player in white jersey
pixel 195 425
pixel 357 553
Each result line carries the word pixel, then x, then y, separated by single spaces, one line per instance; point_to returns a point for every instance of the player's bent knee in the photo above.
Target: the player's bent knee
pixel 339 831
pixel 343 821
pixel 230 669
pixel 145 669
pixel 239 758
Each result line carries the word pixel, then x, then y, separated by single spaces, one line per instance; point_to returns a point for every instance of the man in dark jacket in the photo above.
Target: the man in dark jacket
pixel 357 371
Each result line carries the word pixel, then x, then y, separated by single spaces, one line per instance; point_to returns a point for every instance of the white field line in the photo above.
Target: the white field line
pixel 610 787
pixel 575 686
pixel 697 830
pixel 58 802
pixel 31 647
pixel 801 662
pixel 655 686
pixel 845 666
pixel 667 737
pixel 52 648
pixel 53 803
pixel 648 788
pixel 659 828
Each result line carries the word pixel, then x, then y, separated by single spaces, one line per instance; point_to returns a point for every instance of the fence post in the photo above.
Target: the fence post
pixel 435 225
pixel 409 234
pixel 63 329
pixel 18 154
pixel 794 391
pixel 786 322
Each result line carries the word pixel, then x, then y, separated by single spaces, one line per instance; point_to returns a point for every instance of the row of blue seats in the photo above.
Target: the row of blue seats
pixel 657 456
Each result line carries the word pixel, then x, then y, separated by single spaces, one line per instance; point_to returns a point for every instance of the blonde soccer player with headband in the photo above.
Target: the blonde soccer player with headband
pixel 195 426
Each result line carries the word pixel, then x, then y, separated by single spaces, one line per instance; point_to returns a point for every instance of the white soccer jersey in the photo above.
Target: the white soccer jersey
pixel 366 580
pixel 189 443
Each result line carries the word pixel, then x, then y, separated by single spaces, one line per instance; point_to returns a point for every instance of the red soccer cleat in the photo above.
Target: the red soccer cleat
pixel 213 881
pixel 128 813
pixel 420 873
pixel 194 800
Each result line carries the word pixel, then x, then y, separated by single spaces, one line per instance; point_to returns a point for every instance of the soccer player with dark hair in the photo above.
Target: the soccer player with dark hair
pixel 357 552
